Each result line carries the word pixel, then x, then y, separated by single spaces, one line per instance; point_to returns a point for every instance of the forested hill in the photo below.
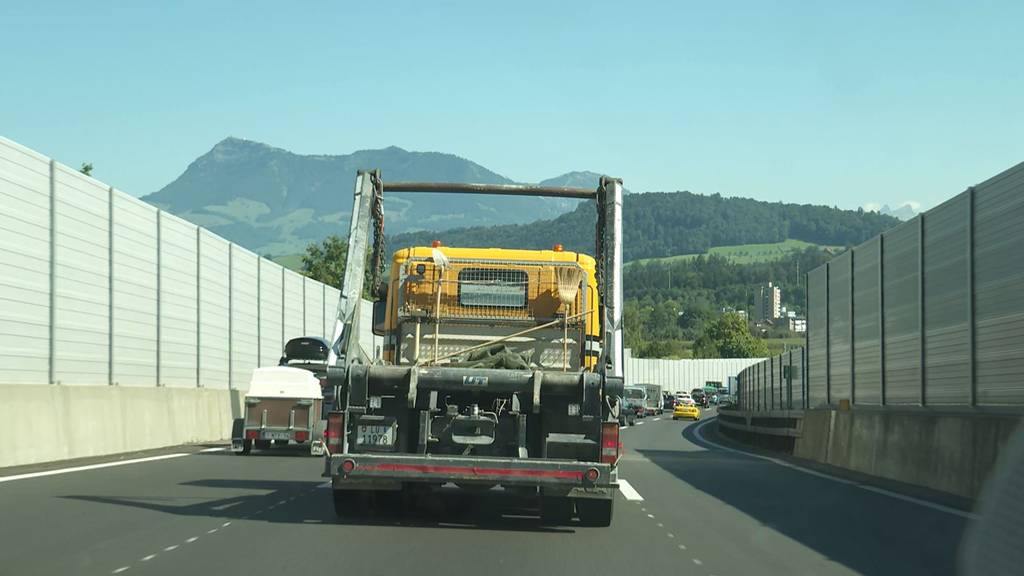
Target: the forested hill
pixel 659 224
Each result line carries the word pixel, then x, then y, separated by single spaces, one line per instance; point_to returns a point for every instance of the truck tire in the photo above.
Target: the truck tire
pixel 593 512
pixel 246 448
pixel 555 510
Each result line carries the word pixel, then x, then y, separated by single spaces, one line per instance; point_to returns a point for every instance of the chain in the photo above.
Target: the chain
pixel 599 244
pixel 377 281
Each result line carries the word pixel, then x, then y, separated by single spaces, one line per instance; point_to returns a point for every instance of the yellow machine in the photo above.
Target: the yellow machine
pixel 539 303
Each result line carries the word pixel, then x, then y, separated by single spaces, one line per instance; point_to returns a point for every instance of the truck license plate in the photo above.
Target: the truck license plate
pixel 375 435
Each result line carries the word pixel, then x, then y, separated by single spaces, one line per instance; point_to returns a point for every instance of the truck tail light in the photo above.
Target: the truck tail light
pixel 335 431
pixel 610 442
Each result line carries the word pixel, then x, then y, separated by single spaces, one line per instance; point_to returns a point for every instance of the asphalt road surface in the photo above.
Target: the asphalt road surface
pixel 705 510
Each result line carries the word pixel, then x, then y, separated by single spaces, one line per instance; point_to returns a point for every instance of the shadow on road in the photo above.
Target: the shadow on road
pixel 308 502
pixel 866 531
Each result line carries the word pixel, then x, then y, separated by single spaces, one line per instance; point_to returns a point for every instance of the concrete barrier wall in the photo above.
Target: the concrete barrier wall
pixel 952 452
pixel 51 423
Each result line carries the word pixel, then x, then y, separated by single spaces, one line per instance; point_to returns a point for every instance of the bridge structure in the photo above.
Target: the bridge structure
pixel 127 336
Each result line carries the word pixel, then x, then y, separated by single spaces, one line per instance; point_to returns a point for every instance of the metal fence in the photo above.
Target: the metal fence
pixel 684 375
pixel 775 383
pixel 97 287
pixel 930 313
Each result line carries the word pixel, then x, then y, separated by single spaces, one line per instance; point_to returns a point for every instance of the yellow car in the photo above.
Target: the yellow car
pixel 686 411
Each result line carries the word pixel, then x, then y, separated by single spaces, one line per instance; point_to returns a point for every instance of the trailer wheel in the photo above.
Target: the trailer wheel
pixel 246 447
pixel 555 510
pixel 593 512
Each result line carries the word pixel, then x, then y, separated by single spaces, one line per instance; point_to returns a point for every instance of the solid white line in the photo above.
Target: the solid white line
pixel 90 467
pixel 217 449
pixel 628 491
pixel 875 489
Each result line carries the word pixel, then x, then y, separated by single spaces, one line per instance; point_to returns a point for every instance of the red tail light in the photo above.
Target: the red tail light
pixel 252 434
pixel 335 431
pixel 301 435
pixel 609 442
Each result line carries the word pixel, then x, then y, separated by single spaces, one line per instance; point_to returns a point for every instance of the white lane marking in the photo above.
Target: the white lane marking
pixel 697 561
pixel 212 531
pixel 682 546
pixel 640 423
pixel 225 525
pixel 628 491
pixel 192 539
pixel 90 467
pixel 875 489
pixel 170 548
pixel 225 506
pixel 281 502
pixel 658 418
pixel 121 569
pixel 671 535
pixel 217 449
pixel 147 558
pixel 660 525
pixel 650 516
pixel 324 485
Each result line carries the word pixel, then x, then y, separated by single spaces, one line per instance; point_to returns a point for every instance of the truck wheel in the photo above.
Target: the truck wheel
pixel 594 512
pixel 246 447
pixel 555 510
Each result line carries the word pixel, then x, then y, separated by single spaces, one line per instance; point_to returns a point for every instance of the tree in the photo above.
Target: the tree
pixel 729 337
pixel 325 262
pixel 86 168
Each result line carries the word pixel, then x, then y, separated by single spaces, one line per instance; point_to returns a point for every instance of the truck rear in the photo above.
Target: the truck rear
pixel 495 373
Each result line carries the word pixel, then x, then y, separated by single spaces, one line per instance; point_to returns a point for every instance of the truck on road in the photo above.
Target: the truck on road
pixel 654 403
pixel 499 367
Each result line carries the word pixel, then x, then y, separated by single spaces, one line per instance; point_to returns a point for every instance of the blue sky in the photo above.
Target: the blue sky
pixel 840 103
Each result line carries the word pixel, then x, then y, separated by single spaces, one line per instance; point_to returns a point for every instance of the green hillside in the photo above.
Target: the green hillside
pixel 745 253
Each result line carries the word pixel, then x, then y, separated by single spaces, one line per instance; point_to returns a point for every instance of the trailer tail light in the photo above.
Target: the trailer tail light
pixel 252 434
pixel 610 442
pixel 301 435
pixel 335 431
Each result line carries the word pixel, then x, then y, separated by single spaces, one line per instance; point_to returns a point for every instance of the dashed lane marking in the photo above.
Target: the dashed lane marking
pixel 170 548
pixel 640 423
pixel 628 491
pixel 697 561
pixel 121 569
pixel 192 539
pixel 147 558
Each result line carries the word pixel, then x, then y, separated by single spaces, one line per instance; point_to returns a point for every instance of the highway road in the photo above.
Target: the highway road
pixel 692 507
